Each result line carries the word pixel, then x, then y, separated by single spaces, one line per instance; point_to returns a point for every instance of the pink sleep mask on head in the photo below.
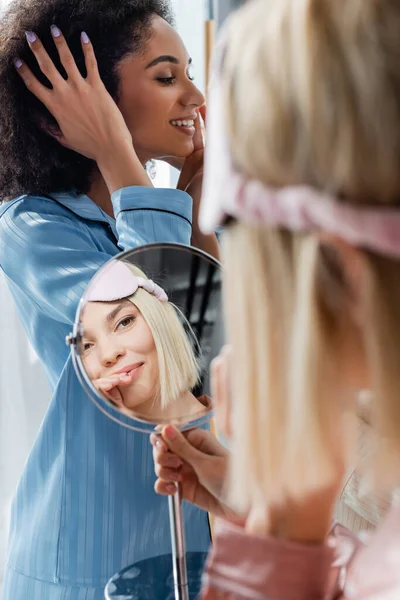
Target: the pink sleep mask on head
pixel 117 281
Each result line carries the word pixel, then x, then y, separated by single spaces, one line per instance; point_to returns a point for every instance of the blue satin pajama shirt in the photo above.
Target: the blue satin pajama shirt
pixel 85 506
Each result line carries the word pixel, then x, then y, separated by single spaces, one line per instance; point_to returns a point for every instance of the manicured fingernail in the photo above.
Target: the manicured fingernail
pixel 30 36
pixel 170 433
pixel 85 37
pixel 55 32
pixel 159 444
pixel 18 63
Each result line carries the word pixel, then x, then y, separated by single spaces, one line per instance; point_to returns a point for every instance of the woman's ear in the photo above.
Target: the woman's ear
pixel 52 129
pixel 352 263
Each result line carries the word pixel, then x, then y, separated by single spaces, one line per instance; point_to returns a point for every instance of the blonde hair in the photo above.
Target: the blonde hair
pixel 312 93
pixel 179 369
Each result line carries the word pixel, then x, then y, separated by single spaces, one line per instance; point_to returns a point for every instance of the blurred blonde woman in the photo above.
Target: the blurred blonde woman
pixel 304 131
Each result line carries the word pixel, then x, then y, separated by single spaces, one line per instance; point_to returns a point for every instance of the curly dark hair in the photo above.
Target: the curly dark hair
pixel 31 161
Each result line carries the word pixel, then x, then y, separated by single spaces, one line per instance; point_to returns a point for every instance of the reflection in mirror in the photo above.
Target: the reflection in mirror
pixel 137 348
pixel 149 326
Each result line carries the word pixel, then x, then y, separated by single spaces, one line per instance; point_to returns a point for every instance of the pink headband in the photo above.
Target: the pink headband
pixel 117 281
pixel 227 193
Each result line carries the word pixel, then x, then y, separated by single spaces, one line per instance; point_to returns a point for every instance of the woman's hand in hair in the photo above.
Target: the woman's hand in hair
pixel 197 461
pixel 89 121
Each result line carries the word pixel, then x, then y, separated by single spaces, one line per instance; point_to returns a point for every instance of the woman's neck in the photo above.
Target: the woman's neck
pixel 184 406
pixel 100 195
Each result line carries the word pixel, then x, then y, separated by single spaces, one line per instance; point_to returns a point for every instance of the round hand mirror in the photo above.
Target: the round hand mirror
pixel 145 333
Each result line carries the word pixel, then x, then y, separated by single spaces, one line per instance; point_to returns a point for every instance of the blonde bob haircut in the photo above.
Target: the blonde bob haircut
pixel 312 96
pixel 179 369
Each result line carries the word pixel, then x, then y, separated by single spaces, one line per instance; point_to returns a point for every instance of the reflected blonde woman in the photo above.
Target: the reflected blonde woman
pixel 135 348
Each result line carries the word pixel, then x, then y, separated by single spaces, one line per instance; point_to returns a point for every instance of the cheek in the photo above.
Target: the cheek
pixel 145 109
pixel 91 366
pixel 151 352
pixel 141 340
pixel 149 345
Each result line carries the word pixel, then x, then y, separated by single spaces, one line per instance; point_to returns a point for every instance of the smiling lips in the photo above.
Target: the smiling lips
pixel 130 370
pixel 185 125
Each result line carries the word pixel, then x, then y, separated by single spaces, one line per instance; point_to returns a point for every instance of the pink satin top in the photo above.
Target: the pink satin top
pixel 242 566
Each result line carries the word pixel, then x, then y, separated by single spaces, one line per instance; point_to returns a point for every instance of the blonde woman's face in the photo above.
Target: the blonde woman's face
pixel 117 339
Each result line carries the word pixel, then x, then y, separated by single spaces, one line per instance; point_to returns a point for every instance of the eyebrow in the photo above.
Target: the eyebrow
pixel 87 334
pixel 111 316
pixel 165 58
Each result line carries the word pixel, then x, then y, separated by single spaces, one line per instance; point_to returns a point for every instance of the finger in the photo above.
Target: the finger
pixel 114 380
pixel 179 445
pixel 43 59
pixel 203 112
pixel 105 385
pixel 107 395
pixel 167 460
pixel 90 58
pixel 206 442
pixel 32 83
pixel 164 488
pixel 167 474
pixel 110 391
pixel 126 378
pixel 191 166
pixel 116 398
pixel 65 54
pixel 156 442
pixel 198 141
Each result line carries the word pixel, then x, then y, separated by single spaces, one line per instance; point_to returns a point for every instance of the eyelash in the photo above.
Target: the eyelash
pixel 170 80
pixel 129 318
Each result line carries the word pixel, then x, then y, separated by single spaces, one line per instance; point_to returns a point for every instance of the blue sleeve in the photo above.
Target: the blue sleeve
pixel 51 254
pixel 146 215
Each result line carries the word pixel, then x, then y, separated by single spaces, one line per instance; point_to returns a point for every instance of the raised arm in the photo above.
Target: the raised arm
pixel 51 254
pixel 88 118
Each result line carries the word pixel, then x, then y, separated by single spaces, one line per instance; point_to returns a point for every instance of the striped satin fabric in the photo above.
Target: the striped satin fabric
pixel 85 507
pixel 357 510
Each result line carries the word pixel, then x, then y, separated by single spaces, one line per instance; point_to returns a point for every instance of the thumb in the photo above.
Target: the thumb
pixel 203 112
pixel 178 444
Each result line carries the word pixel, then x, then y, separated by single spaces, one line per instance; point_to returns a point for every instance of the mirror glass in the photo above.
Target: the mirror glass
pixel 146 331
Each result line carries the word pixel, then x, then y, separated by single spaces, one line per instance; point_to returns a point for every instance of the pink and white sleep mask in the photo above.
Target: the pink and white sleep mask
pixel 117 281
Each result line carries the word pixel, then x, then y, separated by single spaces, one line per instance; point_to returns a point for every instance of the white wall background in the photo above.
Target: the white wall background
pixel 24 393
